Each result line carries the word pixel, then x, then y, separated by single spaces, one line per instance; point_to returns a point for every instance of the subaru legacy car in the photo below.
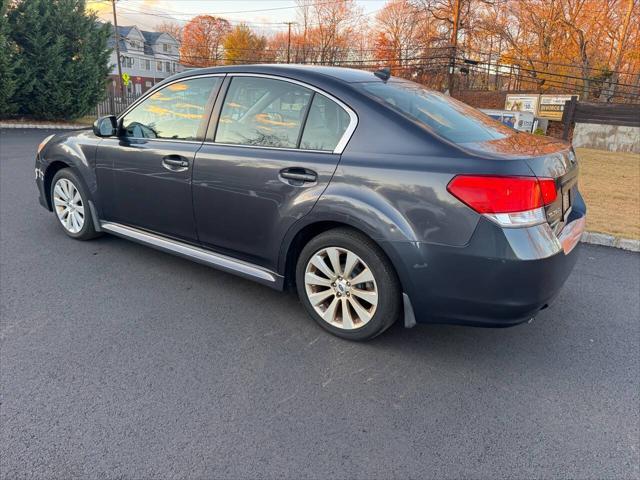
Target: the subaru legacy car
pixel 377 199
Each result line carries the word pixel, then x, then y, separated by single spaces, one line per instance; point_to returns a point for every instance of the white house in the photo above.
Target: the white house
pixel 148 58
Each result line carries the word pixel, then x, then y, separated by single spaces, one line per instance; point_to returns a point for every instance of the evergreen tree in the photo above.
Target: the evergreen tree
pixel 63 58
pixel 84 42
pixel 7 77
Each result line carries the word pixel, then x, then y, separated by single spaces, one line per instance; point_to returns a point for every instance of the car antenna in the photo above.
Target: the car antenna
pixel 383 74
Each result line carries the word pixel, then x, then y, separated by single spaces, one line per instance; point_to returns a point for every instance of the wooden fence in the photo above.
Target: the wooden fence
pixel 600 113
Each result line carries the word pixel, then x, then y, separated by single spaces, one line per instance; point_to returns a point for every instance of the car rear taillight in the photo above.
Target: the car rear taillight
pixel 508 201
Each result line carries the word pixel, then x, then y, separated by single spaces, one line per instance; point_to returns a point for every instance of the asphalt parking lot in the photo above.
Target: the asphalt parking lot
pixel 119 361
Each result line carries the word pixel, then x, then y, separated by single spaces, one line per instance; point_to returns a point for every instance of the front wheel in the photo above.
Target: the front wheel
pixel 71 206
pixel 348 285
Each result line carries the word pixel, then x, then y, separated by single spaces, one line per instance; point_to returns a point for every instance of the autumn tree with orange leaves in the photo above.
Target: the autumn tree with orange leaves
pixel 589 47
pixel 398 27
pixel 202 41
pixel 241 45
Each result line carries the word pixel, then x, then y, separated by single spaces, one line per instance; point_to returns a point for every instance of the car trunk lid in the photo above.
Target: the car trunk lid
pixel 547 158
pixel 563 168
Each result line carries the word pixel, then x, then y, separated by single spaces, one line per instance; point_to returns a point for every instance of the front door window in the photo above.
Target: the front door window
pixel 174 112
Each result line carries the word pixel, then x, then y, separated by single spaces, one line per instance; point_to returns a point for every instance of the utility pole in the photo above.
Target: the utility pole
pixel 117 37
pixel 454 43
pixel 289 42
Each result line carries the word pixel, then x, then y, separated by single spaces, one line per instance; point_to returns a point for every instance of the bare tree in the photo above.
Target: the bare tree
pixel 172 28
pixel 609 91
pixel 327 28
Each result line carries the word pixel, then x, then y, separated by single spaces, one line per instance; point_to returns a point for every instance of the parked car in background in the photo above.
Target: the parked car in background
pixel 375 198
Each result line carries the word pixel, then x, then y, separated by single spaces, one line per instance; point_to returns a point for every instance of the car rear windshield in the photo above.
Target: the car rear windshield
pixel 445 116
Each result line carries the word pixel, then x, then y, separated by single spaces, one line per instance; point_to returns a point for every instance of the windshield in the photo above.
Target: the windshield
pixel 445 116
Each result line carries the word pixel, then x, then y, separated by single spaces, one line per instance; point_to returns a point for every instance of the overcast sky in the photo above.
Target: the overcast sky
pixel 264 15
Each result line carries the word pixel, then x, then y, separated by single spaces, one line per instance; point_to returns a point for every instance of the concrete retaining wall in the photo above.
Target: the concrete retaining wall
pixel 614 138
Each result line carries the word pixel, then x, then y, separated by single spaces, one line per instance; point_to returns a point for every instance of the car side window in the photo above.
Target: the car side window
pixel 173 112
pixel 326 124
pixel 262 112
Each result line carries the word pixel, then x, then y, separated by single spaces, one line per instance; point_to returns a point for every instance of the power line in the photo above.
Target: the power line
pixel 395 62
pixel 400 60
pixel 166 14
pixel 546 62
pixel 542 72
pixel 270 9
pixel 552 83
pixel 171 15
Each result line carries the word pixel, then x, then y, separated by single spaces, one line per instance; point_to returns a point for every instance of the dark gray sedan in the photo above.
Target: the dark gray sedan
pixel 375 198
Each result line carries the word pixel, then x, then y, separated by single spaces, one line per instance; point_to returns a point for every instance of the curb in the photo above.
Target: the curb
pixel 605 240
pixel 44 126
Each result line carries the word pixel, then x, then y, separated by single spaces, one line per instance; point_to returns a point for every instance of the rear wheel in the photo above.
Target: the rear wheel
pixel 70 204
pixel 348 285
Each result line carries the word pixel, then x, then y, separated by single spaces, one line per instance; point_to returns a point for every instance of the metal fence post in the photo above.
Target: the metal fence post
pixel 112 104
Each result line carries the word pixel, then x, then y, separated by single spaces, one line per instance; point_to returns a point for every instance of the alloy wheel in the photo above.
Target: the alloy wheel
pixel 341 288
pixel 68 205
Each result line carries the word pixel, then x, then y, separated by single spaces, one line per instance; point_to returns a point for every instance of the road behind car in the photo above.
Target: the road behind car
pixel 120 361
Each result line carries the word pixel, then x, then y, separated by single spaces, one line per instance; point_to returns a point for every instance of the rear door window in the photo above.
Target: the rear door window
pixel 262 112
pixel 326 123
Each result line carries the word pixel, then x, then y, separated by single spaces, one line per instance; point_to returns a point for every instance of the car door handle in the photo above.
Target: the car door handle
pixel 175 163
pixel 298 176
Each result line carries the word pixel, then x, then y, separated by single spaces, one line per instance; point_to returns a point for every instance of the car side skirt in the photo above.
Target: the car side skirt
pixel 200 255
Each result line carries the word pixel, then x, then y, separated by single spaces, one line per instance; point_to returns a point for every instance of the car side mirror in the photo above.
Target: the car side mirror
pixel 106 126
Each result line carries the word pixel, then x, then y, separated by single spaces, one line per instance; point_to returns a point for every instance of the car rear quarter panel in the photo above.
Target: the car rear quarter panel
pixel 392 180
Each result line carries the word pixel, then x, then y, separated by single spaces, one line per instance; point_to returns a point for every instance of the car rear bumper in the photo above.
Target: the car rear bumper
pixel 502 277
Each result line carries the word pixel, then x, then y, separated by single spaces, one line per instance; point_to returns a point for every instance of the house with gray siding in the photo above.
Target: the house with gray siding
pixel 148 58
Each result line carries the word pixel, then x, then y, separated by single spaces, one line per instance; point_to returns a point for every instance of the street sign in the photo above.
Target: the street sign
pixel 126 78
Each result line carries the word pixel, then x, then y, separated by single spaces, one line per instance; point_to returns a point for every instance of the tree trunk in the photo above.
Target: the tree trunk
pixel 609 91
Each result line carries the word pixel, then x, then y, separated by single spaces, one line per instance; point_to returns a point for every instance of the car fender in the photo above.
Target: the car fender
pixel 77 150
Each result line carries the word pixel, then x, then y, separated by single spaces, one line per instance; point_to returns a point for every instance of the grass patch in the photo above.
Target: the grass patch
pixel 82 121
pixel 610 184
pixel 86 120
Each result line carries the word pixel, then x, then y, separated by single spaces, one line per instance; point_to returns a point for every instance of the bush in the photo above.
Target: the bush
pixel 7 76
pixel 61 59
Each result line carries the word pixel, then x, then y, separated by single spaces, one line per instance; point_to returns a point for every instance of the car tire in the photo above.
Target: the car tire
pixel 70 203
pixel 325 272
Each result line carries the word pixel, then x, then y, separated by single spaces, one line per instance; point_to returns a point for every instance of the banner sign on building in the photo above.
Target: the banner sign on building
pixel 522 103
pixel 552 106
pixel 542 106
pixel 522 121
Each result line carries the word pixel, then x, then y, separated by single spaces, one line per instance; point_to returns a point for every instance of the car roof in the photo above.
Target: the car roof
pixel 347 75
